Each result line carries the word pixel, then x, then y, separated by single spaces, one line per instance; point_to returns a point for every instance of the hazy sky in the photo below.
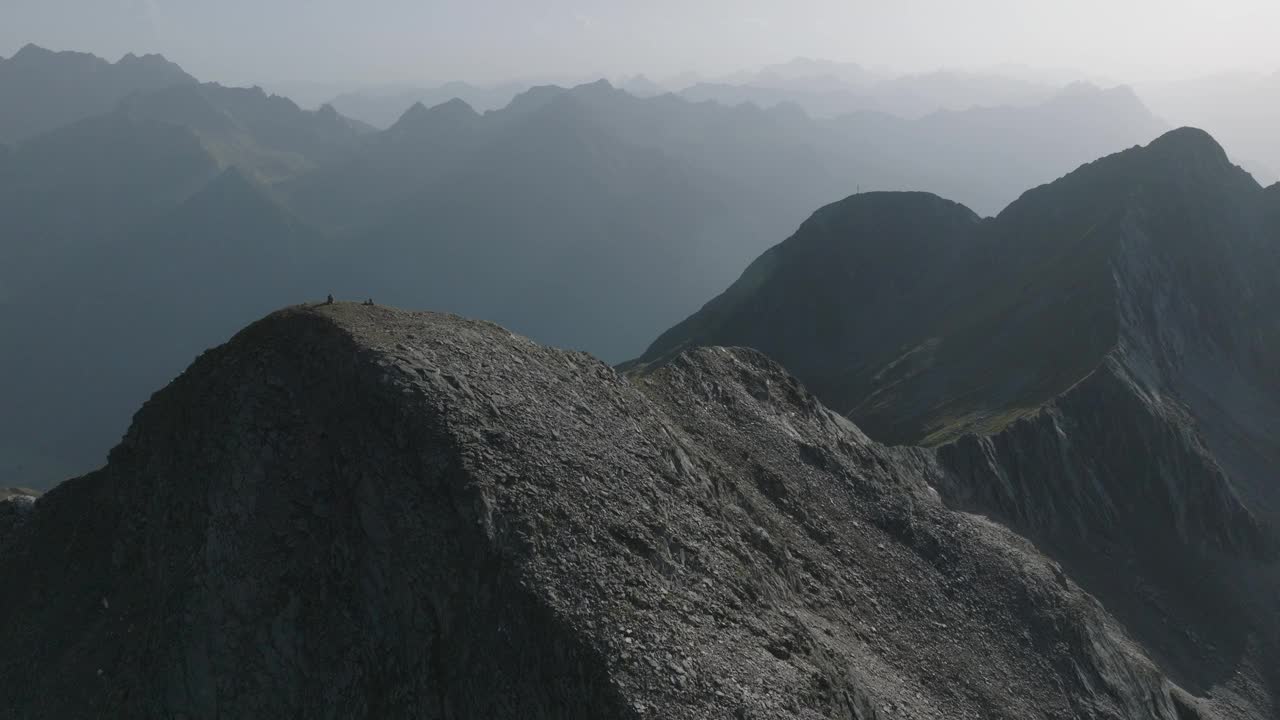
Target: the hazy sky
pixel 350 41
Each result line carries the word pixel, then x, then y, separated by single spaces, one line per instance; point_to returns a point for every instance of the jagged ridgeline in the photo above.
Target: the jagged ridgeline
pixel 1096 367
pixel 351 511
pixel 582 217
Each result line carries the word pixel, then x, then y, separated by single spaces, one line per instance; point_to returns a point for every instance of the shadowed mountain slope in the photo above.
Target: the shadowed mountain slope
pixel 1096 366
pixel 923 322
pixel 167 288
pixel 360 512
pixel 265 134
pixel 65 193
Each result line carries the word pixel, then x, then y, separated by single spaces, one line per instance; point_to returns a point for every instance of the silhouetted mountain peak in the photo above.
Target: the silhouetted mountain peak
pixel 1191 146
pixel 1193 153
pixel 149 60
pixel 1091 97
pixel 532 99
pixel 31 51
pixel 918 204
pixel 1182 164
pixel 36 59
pixel 456 107
pixel 153 67
pixel 415 110
pixel 32 48
pixel 599 86
pixel 42 90
pixel 536 98
pixel 422 121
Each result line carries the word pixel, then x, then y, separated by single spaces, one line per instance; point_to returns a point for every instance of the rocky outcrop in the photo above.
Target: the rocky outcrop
pixel 350 511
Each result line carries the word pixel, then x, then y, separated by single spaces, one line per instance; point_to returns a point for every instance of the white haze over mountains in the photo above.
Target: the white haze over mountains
pixel 1211 65
pixel 435 41
pixel 732 129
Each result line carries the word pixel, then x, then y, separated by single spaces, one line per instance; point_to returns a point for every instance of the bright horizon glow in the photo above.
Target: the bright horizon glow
pixel 429 41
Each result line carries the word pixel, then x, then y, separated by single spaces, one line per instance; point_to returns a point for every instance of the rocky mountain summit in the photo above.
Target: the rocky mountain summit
pixel 1095 367
pixel 352 511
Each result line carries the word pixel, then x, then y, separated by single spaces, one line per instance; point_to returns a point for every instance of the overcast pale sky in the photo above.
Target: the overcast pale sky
pixel 350 41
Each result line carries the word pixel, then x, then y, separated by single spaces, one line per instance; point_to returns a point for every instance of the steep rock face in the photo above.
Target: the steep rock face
pixel 1165 456
pixel 350 511
pixel 1096 368
pixel 858 293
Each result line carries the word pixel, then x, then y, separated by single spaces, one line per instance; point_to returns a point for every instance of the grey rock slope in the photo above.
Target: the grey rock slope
pixel 353 511
pixel 1095 368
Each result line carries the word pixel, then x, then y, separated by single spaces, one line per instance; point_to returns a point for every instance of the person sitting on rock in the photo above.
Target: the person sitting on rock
pixel 329 300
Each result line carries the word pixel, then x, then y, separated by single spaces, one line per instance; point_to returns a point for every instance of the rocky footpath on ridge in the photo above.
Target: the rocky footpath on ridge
pixel 352 511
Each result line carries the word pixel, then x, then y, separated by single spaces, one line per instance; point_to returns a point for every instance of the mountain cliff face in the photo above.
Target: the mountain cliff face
pixel 1095 367
pixel 349 511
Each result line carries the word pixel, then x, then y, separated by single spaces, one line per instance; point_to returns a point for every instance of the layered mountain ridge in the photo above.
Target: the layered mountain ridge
pixel 354 510
pixel 583 217
pixel 42 90
pixel 1076 250
pixel 360 512
pixel 1095 366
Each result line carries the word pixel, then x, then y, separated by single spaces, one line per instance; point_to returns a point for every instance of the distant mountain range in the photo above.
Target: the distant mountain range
pixel 353 509
pixel 840 90
pixel 264 134
pixel 381 108
pixel 41 90
pixel 1010 454
pixel 585 217
pixel 821 88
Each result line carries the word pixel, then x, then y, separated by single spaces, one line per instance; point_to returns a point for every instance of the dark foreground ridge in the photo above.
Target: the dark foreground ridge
pixel 352 511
